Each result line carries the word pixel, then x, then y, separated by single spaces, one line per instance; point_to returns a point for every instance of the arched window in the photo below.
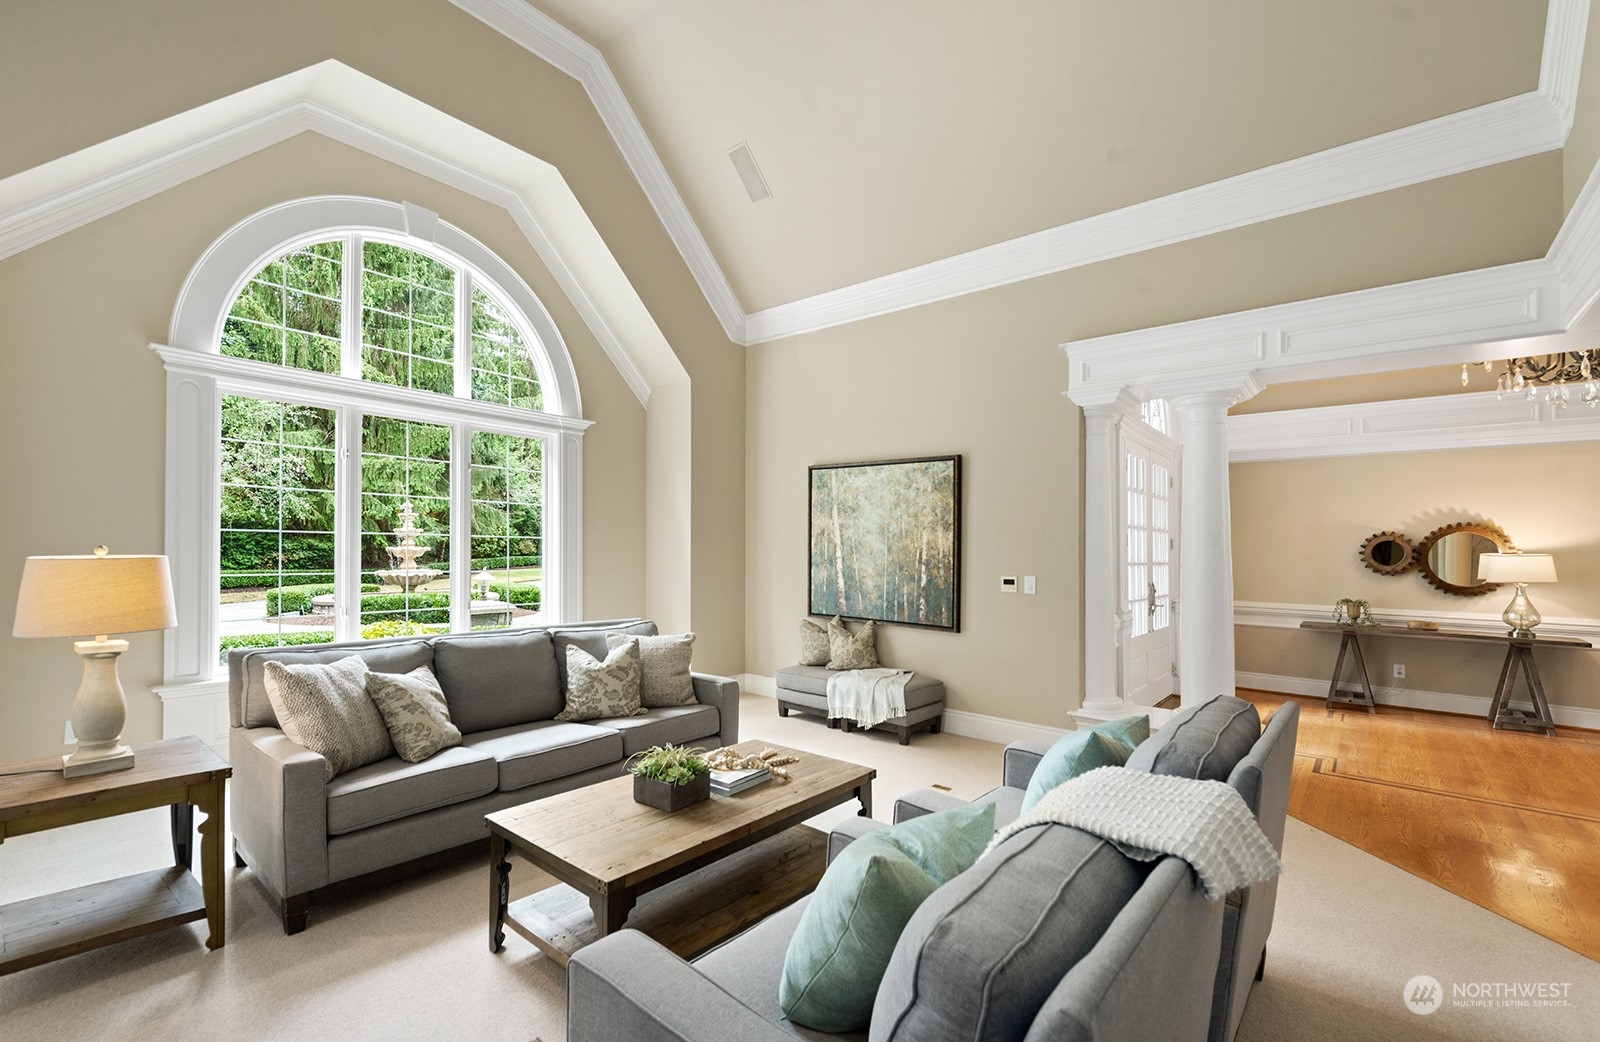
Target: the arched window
pixel 374 431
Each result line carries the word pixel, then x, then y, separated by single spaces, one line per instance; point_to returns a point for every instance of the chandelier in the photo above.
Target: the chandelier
pixel 1556 373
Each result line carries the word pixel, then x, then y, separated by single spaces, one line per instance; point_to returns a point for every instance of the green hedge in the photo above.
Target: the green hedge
pixel 418 607
pixel 287 600
pixel 246 580
pixel 491 563
pixel 522 596
pixel 398 628
pixel 275 640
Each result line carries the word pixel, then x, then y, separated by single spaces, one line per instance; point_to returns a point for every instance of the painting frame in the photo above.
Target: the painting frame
pixel 892 554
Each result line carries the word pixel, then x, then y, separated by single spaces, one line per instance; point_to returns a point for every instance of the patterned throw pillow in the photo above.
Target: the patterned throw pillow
pixel 596 690
pixel 848 650
pixel 325 708
pixel 663 668
pixel 814 643
pixel 414 711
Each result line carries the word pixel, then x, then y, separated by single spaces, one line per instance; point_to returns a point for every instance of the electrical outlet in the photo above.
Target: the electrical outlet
pixel 1399 670
pixel 70 739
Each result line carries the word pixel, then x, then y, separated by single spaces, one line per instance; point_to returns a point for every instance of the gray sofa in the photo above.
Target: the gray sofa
pixel 307 838
pixel 1053 936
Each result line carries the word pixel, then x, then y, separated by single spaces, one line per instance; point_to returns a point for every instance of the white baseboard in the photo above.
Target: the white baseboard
pixel 1438 701
pixel 995 729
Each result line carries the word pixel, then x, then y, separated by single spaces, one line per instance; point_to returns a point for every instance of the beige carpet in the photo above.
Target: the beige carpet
pixel 411 961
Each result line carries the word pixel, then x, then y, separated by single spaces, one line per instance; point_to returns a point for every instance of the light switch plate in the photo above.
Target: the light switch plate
pixel 1028 584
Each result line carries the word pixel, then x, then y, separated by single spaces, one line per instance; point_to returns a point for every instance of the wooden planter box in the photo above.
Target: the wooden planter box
pixel 666 796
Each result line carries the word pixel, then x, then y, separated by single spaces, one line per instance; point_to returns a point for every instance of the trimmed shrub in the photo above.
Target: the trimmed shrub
pixel 521 596
pixel 397 628
pixel 491 563
pixel 247 580
pixel 417 607
pixel 286 600
pixel 274 640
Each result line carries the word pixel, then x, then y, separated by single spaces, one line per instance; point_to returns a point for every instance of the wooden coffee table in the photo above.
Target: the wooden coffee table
pixel 607 850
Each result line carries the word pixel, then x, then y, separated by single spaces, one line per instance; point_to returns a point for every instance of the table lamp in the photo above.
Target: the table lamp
pixel 1520 569
pixel 102 593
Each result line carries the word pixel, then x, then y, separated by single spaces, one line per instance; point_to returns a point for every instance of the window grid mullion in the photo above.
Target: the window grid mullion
pixel 347 525
pixel 460 527
pixel 463 356
pixel 353 313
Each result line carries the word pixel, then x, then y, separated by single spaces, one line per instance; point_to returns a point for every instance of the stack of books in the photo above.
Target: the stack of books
pixel 726 783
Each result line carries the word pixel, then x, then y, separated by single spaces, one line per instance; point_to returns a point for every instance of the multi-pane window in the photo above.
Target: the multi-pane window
pixel 288 570
pixel 1149 534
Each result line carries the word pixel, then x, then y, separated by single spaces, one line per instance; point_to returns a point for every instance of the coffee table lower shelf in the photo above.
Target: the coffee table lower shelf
pixel 41 929
pixel 690 915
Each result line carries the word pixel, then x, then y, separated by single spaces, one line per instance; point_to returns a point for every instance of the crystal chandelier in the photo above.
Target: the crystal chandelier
pixel 1556 373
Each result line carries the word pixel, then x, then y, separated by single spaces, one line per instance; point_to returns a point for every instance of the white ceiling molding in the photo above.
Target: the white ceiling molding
pixel 347 106
pixel 1452 318
pixel 1449 421
pixel 538 33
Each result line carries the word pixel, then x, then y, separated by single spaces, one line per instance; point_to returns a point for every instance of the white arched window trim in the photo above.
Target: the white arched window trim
pixel 198 376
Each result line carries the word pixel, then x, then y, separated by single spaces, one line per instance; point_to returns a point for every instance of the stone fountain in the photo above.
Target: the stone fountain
pixel 406 574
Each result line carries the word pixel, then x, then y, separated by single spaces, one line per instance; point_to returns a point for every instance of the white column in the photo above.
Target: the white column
pixel 1102 693
pixel 1205 616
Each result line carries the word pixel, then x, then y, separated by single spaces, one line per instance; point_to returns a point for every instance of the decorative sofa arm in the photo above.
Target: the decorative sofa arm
pixel 1019 762
pixel 280 809
pixel 626 986
pixel 918 802
pixel 848 831
pixel 722 692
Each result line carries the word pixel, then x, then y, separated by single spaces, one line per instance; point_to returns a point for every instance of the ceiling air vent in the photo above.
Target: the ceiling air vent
pixel 749 173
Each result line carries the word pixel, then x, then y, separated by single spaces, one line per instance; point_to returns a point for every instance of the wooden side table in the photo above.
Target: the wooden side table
pixel 182 773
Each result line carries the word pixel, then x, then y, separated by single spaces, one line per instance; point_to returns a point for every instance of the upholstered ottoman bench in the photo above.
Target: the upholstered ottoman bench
pixel 805 688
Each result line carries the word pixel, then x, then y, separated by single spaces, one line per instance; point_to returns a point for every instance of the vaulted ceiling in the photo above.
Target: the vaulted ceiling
pixel 893 133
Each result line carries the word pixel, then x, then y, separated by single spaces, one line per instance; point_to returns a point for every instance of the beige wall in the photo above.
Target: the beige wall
pixel 1583 143
pixel 1298 526
pixel 83 409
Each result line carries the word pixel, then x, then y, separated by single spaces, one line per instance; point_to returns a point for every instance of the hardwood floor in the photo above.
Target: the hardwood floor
pixel 1508 820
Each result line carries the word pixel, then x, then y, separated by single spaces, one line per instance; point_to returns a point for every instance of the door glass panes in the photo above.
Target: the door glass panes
pixel 407 319
pixel 1161 545
pixel 276 579
pixel 288 313
pixel 502 366
pixel 1138 544
pixel 405 526
pixel 507 530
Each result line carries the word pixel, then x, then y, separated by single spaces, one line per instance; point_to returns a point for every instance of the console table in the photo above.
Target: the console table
pixel 1519 661
pixel 181 773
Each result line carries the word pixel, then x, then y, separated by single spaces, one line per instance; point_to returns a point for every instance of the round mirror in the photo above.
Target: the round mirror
pixel 1388 553
pixel 1449 557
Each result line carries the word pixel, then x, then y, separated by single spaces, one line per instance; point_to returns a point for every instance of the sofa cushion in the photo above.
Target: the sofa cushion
pixel 324 707
pixel 256 709
pixel 1079 752
pixel 848 650
pixel 814 643
pixel 592 639
pixel 497 680
pixel 921 689
pixel 539 752
pixel 842 945
pixel 392 788
pixel 1204 742
pixel 680 725
pixel 664 678
pixel 414 712
pixel 1017 921
pixel 609 688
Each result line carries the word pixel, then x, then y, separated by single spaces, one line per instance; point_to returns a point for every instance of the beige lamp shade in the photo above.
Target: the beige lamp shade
pixel 1516 568
pixel 96 594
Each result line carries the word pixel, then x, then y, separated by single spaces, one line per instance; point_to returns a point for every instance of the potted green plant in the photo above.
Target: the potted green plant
pixel 670 777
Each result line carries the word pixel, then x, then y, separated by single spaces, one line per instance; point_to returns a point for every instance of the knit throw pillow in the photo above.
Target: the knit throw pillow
pixel 663 668
pixel 415 712
pixel 848 650
pixel 598 690
pixel 325 708
pixel 814 643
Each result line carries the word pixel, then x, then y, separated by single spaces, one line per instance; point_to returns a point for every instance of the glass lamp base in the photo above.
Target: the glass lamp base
pixel 1520 614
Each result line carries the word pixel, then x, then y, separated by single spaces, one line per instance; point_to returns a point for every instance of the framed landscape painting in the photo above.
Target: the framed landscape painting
pixel 886 541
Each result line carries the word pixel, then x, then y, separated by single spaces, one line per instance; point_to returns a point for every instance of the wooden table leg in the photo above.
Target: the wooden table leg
pixel 1338 670
pixel 864 794
pixel 611 908
pixel 499 889
pixel 1366 681
pixel 1502 691
pixel 208 797
pixel 183 834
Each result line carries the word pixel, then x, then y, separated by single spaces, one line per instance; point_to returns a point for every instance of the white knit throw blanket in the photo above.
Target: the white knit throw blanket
pixel 1207 823
pixel 868 697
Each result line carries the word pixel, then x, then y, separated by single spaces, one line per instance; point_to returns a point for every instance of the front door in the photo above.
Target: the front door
pixel 1150 548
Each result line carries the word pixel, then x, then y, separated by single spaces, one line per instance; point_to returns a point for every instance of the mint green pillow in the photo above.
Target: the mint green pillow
pixel 1103 745
pixel 847 933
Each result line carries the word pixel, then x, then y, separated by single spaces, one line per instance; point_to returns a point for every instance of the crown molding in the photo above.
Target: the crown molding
pixel 544 37
pixel 1449 421
pixel 350 107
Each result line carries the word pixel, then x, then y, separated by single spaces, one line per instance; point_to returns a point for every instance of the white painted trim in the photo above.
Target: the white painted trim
pixel 538 33
pixel 1451 421
pixel 1273 615
pixel 1437 701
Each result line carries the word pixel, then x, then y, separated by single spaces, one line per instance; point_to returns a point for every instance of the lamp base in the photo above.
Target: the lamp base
pixel 96 761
